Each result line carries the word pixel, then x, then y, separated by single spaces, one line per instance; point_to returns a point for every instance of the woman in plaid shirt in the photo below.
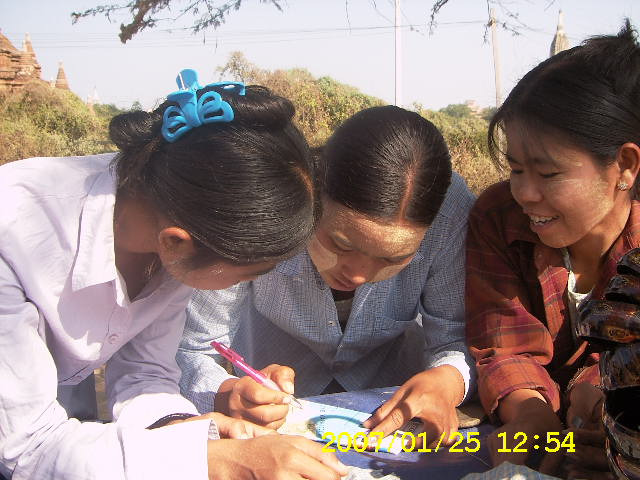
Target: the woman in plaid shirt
pixel 549 237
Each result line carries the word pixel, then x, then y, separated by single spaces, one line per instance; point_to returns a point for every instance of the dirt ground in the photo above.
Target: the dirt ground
pixel 103 411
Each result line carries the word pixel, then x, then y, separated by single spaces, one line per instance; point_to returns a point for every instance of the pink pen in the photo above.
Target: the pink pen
pixel 236 359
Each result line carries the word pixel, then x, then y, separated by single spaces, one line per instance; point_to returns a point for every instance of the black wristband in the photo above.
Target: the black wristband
pixel 170 418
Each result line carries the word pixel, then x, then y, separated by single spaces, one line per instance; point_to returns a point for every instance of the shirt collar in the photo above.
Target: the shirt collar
pixel 95 259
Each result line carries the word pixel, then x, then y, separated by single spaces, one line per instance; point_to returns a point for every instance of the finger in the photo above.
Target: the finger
pixel 551 464
pixel 395 420
pixel 270 416
pixel 252 392
pixel 451 435
pixel 283 376
pixel 242 429
pixel 589 457
pixel 575 473
pixel 595 438
pixel 316 451
pixel 383 411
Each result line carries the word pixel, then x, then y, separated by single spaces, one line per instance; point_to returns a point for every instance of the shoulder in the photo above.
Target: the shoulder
pixel 458 200
pixel 51 175
pixel 49 186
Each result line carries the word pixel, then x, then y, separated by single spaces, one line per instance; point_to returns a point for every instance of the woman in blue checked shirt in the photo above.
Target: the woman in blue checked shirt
pixel 375 300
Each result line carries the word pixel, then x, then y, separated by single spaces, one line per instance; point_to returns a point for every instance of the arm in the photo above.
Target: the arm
pixel 433 394
pixel 211 315
pixel 206 382
pixel 510 344
pixel 38 440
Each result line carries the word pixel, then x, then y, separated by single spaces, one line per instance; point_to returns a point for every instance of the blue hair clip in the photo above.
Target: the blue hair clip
pixel 193 111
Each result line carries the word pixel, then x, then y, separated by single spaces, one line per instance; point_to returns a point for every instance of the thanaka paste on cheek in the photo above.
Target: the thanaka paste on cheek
pixel 323 258
pixel 388 272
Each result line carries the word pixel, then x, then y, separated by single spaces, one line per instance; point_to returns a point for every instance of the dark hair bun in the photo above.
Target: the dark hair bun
pixel 260 108
pixel 134 129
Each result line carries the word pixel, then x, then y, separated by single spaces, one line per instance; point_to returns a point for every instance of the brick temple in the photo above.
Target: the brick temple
pixel 17 67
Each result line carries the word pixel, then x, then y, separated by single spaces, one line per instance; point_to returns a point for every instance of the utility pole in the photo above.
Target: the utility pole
pixel 496 57
pixel 398 63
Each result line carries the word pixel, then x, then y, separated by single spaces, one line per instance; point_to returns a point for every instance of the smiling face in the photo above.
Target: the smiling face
pixel 349 249
pixel 566 193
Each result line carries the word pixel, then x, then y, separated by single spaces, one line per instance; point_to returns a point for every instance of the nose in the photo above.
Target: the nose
pixel 359 270
pixel 524 189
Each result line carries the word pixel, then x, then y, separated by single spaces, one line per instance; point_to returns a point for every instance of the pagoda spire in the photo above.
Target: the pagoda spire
pixel 61 78
pixel 560 41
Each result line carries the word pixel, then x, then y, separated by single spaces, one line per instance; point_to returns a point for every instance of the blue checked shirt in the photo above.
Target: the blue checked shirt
pixel 288 316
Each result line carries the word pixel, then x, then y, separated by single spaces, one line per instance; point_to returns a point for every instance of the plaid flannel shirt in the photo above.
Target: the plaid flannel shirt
pixel 518 325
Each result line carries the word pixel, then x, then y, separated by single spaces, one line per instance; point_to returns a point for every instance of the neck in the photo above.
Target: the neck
pixel 135 225
pixel 135 231
pixel 589 253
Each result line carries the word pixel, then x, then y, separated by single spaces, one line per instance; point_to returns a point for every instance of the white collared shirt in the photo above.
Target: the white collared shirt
pixel 64 311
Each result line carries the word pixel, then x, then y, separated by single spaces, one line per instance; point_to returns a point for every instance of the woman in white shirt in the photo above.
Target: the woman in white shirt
pixel 98 258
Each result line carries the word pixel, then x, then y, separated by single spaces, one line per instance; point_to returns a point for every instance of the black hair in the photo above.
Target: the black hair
pixel 244 190
pixel 387 162
pixel 588 96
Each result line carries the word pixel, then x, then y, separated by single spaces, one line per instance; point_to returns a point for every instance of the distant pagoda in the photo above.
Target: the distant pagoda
pixel 61 78
pixel 560 41
pixel 17 67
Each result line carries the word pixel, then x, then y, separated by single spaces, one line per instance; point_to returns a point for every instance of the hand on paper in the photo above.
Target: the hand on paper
pixel 247 399
pixel 584 417
pixel 272 457
pixel 432 396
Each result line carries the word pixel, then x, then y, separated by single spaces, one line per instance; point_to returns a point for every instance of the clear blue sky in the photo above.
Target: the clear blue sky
pixel 351 41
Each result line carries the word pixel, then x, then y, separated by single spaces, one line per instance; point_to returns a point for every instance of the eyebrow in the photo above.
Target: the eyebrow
pixel 399 258
pixel 534 160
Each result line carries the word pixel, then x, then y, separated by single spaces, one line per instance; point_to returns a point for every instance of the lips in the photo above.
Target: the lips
pixel 344 284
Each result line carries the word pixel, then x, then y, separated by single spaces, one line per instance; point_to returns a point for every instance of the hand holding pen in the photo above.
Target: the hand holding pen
pixel 238 361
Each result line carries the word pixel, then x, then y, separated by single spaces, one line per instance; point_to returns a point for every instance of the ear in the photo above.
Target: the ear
pixel 628 159
pixel 174 245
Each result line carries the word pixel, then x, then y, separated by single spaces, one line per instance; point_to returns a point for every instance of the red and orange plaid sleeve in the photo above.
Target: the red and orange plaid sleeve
pixel 507 330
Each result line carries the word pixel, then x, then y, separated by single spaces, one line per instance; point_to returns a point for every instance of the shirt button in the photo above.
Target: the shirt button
pixel 331 323
pixel 113 338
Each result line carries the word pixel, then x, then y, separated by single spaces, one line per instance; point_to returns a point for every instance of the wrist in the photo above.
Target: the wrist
pixel 169 419
pixel 536 415
pixel 450 382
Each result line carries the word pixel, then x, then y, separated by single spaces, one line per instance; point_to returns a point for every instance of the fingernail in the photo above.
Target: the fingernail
pixel 288 387
pixel 286 400
pixel 577 422
pixel 243 436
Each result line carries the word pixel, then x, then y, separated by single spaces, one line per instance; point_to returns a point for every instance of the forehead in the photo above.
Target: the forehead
pixel 530 146
pixel 376 236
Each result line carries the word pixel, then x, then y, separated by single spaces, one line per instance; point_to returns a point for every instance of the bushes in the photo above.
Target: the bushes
pixel 466 136
pixel 42 121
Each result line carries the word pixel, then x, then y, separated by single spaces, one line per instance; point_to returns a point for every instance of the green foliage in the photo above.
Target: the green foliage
pixel 41 121
pixel 466 136
pixel 321 103
pixel 458 110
